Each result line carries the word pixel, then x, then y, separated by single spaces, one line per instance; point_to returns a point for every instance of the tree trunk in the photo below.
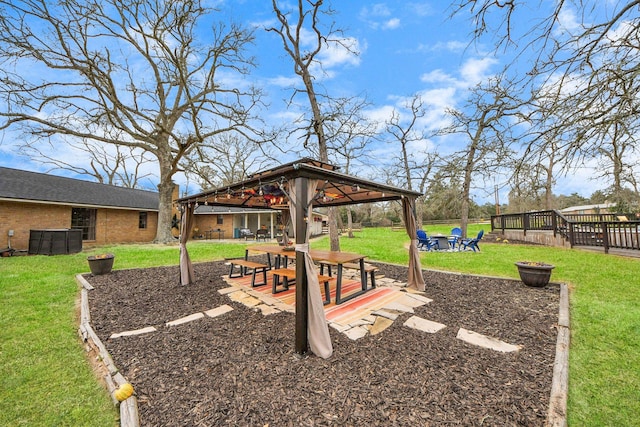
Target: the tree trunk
pixel 334 238
pixel 165 194
pixel 350 223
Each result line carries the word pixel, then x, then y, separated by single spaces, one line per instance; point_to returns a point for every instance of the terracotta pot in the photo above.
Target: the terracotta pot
pixel 536 274
pixel 101 264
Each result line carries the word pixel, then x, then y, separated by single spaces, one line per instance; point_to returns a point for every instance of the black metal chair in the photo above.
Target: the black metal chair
pixel 262 234
pixel 247 234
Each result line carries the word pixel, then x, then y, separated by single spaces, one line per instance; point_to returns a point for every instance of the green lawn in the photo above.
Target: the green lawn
pixel 45 379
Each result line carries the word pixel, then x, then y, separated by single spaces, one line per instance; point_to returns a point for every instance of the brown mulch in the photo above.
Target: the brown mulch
pixel 241 369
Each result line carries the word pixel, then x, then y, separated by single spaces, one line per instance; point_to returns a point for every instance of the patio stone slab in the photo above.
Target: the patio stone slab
pixel 387 314
pixel 338 327
pixel 424 325
pixel 228 290
pixel 362 322
pixel 218 311
pixel 185 319
pixel 267 309
pixel 486 341
pixel 356 333
pixel 397 306
pixel 134 332
pixel 419 297
pixel 244 298
pixel 380 325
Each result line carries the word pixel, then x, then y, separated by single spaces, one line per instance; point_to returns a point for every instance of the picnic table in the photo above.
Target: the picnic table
pixel 336 258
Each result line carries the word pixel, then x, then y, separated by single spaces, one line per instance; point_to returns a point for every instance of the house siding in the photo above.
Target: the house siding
pixel 112 225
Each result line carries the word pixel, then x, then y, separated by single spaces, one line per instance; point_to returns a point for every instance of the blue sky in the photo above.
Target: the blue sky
pixel 405 48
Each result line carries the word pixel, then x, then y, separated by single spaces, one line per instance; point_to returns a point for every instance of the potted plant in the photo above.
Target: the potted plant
pixel 533 273
pixel 100 264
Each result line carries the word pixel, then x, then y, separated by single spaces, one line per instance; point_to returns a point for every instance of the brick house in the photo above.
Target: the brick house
pixel 221 222
pixel 105 213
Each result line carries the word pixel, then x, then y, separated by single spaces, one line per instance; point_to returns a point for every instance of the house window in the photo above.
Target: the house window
pixel 142 220
pixel 220 219
pixel 85 220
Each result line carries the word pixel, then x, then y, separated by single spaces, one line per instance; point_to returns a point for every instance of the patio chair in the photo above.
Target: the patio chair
pixel 424 242
pixel 455 236
pixel 262 234
pixel 471 243
pixel 246 233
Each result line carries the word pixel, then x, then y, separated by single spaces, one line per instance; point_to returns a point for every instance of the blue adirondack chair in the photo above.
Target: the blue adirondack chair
pixel 424 242
pixel 455 236
pixel 471 243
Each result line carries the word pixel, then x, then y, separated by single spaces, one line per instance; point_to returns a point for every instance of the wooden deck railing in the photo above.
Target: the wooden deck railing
pixel 604 230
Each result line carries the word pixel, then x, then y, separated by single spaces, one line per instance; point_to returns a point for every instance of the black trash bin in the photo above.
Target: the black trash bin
pixel 55 241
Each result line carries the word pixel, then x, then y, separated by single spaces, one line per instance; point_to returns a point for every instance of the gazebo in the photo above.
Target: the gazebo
pixel 298 186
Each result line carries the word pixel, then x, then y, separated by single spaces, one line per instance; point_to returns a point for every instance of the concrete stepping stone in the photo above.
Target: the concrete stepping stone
pixel 267 309
pixel 380 325
pixel 219 311
pixel 356 333
pixel 338 327
pixel 387 314
pixel 418 297
pixel 486 341
pixel 424 325
pixel 410 301
pixel 397 306
pixel 228 290
pixel 185 319
pixel 146 330
pixel 244 298
pixel 362 322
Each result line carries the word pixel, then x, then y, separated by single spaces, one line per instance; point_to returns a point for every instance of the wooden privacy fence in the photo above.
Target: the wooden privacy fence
pixel 602 230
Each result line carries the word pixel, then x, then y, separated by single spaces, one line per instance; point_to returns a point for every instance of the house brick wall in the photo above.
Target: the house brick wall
pixel 121 226
pixel 210 222
pixel 23 217
pixel 112 225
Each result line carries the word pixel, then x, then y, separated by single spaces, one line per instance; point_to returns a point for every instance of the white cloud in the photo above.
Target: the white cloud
pixel 391 24
pixel 475 70
pixel 337 54
pixel 283 81
pixel 448 46
pixel 568 20
pixel 437 76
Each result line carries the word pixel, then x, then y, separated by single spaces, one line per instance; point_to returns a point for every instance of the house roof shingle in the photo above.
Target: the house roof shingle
pixel 23 185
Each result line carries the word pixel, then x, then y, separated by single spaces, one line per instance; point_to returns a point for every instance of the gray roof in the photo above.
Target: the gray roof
pixel 211 210
pixel 22 185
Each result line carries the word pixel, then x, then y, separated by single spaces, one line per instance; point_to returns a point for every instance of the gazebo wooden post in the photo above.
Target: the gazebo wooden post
pixel 302 311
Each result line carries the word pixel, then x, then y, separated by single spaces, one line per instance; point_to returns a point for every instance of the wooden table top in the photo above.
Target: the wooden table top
pixel 316 254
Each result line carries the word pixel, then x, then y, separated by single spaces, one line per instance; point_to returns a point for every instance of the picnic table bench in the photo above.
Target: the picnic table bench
pixel 368 268
pixel 290 274
pixel 246 267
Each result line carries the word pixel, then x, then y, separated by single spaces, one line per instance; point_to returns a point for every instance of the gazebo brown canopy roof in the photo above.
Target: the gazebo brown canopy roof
pixel 298 186
pixel 264 189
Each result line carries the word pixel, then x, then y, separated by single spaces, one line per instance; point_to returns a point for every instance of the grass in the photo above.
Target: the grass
pixel 45 379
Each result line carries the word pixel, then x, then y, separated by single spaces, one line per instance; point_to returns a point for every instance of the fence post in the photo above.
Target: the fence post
pixel 572 237
pixel 605 236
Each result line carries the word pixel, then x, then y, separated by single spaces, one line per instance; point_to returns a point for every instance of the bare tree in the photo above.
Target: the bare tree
pixel 592 64
pixel 113 165
pixel 225 159
pixel 486 123
pixel 124 67
pixel 294 26
pixel 414 167
pixel 349 134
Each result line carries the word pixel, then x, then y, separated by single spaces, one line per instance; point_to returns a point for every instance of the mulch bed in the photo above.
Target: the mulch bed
pixel 241 369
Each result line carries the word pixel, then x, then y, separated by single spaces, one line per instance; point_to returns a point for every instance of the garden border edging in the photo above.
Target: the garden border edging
pixel 129 416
